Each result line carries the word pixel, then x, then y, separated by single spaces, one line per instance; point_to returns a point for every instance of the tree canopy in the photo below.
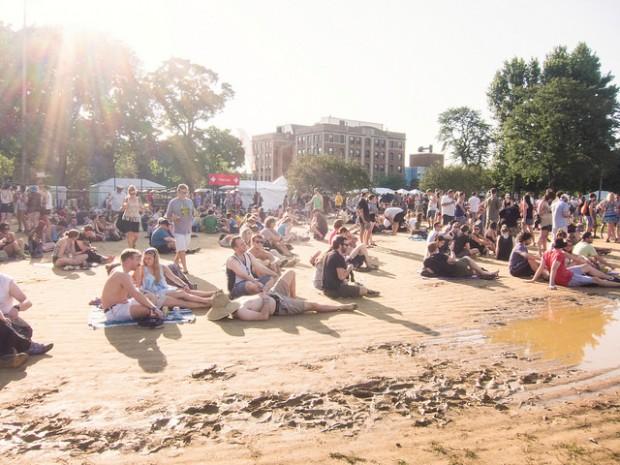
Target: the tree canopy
pixel 466 134
pixel 456 177
pixel 557 124
pixel 92 112
pixel 328 173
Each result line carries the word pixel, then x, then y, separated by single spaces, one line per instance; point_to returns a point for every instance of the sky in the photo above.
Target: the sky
pixel 399 63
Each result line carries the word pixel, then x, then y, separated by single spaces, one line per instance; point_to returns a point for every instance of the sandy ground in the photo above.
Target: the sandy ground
pixel 410 378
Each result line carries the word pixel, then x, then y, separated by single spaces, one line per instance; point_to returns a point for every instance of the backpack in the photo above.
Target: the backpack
pixel 317 281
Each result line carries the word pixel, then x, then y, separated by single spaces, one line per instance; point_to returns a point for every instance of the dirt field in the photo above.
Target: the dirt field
pixel 432 372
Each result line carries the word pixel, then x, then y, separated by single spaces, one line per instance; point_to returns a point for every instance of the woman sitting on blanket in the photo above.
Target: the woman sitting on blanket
pixel 151 278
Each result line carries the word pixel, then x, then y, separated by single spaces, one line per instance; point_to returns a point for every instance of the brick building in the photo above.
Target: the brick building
pixel 420 162
pixel 380 152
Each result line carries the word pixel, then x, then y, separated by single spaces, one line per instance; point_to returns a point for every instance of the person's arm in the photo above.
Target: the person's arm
pixel 174 278
pixel 554 271
pixel 133 291
pixel 343 273
pixel 24 303
pixel 539 272
pixel 260 268
pixel 239 270
pixel 62 248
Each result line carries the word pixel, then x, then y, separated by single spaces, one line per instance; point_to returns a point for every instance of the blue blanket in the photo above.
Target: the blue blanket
pixel 96 318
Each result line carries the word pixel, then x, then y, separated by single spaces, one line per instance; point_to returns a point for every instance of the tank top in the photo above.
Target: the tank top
pixel 70 249
pixel 150 284
pixel 132 212
pixel 232 278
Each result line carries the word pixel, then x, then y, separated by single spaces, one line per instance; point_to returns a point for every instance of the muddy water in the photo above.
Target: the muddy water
pixel 587 337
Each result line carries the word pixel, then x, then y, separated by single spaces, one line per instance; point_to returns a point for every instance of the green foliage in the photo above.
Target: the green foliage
pixel 6 167
pixel 557 127
pixel 393 181
pixel 456 177
pixel 91 111
pixel 466 134
pixel 328 173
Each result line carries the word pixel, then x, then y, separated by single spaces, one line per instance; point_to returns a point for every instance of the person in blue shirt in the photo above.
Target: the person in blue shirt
pixel 162 239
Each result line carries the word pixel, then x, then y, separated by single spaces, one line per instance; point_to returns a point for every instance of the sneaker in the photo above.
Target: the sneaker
pixel 39 349
pixel 13 360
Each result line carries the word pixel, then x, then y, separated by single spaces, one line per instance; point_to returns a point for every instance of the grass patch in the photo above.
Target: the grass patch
pixel 470 454
pixel 350 459
pixel 438 448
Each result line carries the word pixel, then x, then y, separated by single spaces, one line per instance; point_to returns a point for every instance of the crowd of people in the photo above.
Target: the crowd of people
pixel 549 237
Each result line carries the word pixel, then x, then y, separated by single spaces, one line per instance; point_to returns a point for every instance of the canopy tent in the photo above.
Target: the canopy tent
pixel 272 192
pixel 415 191
pixel 402 191
pixel 99 191
pixel 383 190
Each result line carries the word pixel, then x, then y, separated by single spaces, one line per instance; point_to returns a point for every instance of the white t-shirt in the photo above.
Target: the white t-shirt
pixel 391 212
pixel 474 204
pixel 450 208
pixel 6 301
pixel 117 200
pixel 559 209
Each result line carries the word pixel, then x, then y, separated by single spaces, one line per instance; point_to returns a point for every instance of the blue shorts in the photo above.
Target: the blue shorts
pixel 579 277
pixel 239 288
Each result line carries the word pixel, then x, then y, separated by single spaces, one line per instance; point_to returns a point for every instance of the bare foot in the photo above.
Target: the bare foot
pixel 349 307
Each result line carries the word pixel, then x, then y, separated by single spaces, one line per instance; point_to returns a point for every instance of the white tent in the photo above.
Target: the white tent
pixel 383 190
pixel 272 192
pixel 402 191
pixel 99 191
pixel 415 191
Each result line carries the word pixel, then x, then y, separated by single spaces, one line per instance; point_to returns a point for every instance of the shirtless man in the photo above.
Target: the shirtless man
pixel 280 300
pixel 120 299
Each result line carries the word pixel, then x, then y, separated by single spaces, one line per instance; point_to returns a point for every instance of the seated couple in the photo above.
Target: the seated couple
pixel 439 264
pixel 335 268
pixel 357 254
pixel 280 299
pixel 122 300
pixel 16 343
pixel 578 273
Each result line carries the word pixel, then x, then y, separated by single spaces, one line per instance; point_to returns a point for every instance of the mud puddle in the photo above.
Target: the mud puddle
pixel 586 337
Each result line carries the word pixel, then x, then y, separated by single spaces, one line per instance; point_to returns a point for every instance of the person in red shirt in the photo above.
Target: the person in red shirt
pixel 554 264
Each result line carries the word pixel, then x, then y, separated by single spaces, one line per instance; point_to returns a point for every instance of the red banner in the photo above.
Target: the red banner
pixel 223 179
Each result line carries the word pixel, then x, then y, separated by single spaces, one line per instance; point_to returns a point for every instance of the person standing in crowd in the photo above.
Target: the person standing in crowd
pixel 6 203
pixel 589 212
pixel 116 200
pixel 338 201
pixel 363 217
pixel 448 207
pixel 431 211
pixel 527 213
pixel 129 221
pixel 609 208
pixel 546 222
pixel 473 204
pixel 493 206
pixel 181 212
pixel 560 213
pixel 20 209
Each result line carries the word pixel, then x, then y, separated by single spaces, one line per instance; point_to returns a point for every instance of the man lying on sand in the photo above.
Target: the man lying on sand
pixel 280 300
pixel 120 299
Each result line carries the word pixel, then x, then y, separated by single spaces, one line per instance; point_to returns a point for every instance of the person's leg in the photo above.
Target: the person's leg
pixel 320 308
pixel 477 269
pixel 605 282
pixel 533 262
pixel 589 269
pixel 11 341
pixel 188 297
pixel 139 312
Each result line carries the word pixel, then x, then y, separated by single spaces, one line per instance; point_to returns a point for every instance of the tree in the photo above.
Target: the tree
pixel 185 96
pixel 392 181
pixel 6 168
pixel 467 135
pixel 456 177
pixel 557 126
pixel 328 173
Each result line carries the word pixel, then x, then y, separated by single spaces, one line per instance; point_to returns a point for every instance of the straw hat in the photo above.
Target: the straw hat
pixel 222 307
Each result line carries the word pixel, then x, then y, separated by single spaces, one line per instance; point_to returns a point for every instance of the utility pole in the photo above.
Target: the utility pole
pixel 24 164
